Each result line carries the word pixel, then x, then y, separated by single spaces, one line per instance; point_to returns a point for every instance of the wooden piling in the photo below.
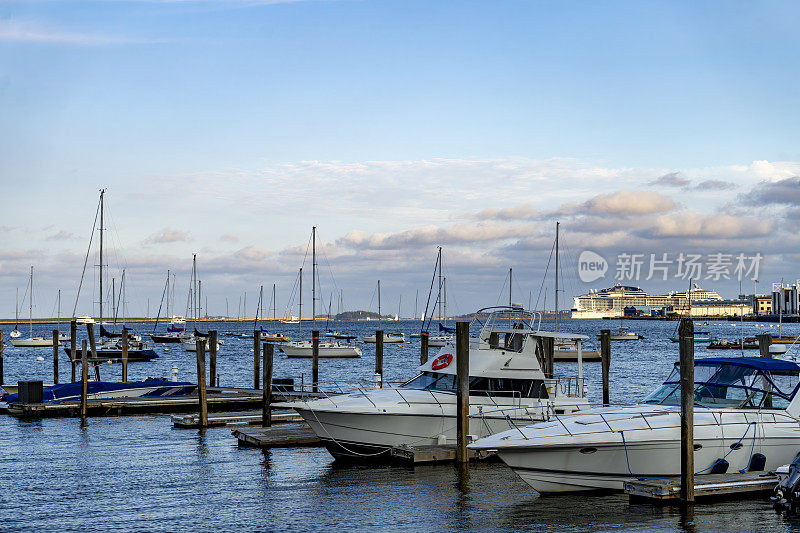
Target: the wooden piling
pixel 686 347
pixel 84 382
pixel 93 346
pixel 266 408
pixel 256 358
pixel 73 345
pixel 56 345
pixel 423 353
pixel 200 346
pixel 764 342
pixel 379 355
pixel 212 358
pixel 315 360
pixel 605 362
pixel 124 355
pixel 1 357
pixel 462 391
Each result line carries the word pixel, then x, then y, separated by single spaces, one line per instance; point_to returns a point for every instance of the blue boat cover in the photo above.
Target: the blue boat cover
pixel 760 363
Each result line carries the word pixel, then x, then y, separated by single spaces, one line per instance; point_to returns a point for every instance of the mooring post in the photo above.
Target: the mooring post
pixel 579 348
pixel 200 346
pixel 256 358
pixel 605 362
pixel 84 382
pixel 462 390
pixel 212 357
pixel 1 357
pixel 379 358
pixel 764 342
pixel 423 353
pixel 93 346
pixel 73 346
pixel 315 360
pixel 55 356
pixel 124 355
pixel 686 347
pixel 266 407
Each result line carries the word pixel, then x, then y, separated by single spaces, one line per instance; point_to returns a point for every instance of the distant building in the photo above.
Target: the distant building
pixel 715 308
pixel 762 304
pixel 611 302
pixel 785 298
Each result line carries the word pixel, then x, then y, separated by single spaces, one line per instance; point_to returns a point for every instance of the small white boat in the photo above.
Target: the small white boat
pixel 15 334
pixel 327 349
pixel 745 419
pixel 388 338
pixel 32 342
pixel 84 320
pixel 439 341
pixel 190 344
pixel 624 334
pixel 568 351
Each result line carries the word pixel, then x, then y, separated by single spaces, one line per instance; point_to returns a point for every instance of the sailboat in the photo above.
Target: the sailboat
pixel 388 338
pixel 445 335
pixel 267 336
pixel 301 348
pixel 16 333
pixel 174 334
pixel 190 341
pixel 31 341
pixel 337 333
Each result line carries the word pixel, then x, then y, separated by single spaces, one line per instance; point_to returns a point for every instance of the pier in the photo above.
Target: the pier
pixel 705 487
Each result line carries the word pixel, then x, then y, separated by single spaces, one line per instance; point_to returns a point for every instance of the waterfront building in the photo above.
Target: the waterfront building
pixel 785 298
pixel 762 304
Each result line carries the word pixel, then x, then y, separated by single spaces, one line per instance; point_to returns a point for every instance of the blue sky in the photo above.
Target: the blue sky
pixel 228 128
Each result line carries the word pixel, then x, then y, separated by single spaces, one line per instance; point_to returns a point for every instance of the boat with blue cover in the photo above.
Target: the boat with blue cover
pixel 104 390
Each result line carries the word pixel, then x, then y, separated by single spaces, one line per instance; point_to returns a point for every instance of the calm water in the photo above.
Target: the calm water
pixel 129 473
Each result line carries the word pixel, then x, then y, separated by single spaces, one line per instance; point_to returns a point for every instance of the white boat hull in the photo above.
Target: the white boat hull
pixel 327 350
pixel 32 343
pixel 596 459
pixel 387 339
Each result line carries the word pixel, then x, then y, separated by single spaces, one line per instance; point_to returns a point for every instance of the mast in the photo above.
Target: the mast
pixel 781 301
pixel 30 316
pixel 16 310
pixel 510 271
pixel 300 320
pixel 557 224
pixel 102 194
pixel 173 296
pixel 114 301
pixel 379 304
pixel 167 293
pixel 439 260
pixel 274 303
pixel 313 276
pixel 122 287
pixel 194 288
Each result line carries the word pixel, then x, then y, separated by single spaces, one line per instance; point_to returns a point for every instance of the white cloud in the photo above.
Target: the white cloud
pixel 28 31
pixel 168 236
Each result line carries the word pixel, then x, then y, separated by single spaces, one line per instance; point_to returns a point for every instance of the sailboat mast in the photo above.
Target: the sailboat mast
pixel 379 304
pixel 510 272
pixel 102 193
pixel 123 296
pixel 274 303
pixel 167 293
pixel 556 306
pixel 194 288
pixel 313 276
pixel 173 297
pixel 300 321
pixel 30 315
pixel 439 260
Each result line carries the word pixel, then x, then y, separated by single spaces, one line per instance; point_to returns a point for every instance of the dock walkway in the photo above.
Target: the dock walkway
pixel 705 486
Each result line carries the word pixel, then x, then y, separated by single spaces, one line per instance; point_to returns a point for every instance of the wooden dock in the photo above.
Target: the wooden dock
pixel 287 435
pixel 224 399
pixel 418 455
pixel 705 486
pixel 244 418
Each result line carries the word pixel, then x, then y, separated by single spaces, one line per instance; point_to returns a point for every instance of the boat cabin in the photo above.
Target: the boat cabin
pixel 734 383
pixel 506 359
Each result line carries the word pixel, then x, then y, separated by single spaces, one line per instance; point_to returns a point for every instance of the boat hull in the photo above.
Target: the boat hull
pixel 32 343
pixel 115 355
pixel 329 352
pixel 167 339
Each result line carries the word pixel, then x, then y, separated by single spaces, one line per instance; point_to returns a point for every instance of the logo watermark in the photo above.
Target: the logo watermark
pixel 591 266
pixel 635 267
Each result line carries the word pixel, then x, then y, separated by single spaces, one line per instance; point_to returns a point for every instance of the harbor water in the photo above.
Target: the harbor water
pixel 137 472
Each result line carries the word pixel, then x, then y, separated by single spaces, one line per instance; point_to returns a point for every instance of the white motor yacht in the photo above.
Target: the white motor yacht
pixel 327 349
pixel 507 387
pixel 745 419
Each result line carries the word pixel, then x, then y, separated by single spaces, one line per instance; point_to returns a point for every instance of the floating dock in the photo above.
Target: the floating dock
pixel 243 418
pixel 705 486
pixel 281 436
pixel 419 455
pixel 220 399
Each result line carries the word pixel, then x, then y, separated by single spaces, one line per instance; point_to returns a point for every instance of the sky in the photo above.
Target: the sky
pixel 228 128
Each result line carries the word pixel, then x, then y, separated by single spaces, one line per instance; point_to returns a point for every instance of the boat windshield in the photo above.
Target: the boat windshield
pixel 480 386
pixel 733 385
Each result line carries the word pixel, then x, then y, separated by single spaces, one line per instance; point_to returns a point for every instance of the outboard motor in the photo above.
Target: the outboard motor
pixel 787 493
